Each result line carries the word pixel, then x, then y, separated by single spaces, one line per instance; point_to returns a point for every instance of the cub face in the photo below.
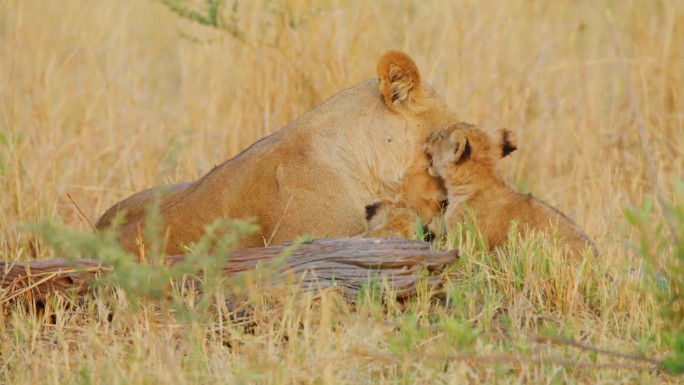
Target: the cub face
pixel 463 152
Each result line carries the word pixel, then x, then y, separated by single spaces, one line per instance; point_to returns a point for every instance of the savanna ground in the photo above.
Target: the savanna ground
pixel 102 99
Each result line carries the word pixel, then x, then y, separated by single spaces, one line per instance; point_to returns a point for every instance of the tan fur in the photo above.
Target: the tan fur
pixel 313 176
pixel 421 197
pixel 387 219
pixel 400 83
pixel 465 157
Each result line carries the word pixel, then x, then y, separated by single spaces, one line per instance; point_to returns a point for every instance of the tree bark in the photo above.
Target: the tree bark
pixel 347 263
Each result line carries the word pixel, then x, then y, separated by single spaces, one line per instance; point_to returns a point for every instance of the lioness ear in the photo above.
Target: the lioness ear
pixel 400 83
pixel 508 142
pixel 461 146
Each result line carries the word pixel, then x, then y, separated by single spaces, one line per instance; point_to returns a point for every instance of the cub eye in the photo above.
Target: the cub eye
pixel 429 160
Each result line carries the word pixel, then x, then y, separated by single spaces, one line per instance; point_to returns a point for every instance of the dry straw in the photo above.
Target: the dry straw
pixel 102 99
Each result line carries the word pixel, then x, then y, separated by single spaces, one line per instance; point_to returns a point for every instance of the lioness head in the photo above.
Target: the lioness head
pixel 463 152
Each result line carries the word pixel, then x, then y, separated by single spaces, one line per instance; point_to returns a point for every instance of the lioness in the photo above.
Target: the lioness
pixel 465 157
pixel 313 176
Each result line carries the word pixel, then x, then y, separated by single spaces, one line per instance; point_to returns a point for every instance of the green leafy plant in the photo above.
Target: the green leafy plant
pixel 662 248
pixel 148 278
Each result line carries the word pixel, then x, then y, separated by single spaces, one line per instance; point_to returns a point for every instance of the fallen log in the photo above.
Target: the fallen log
pixel 347 263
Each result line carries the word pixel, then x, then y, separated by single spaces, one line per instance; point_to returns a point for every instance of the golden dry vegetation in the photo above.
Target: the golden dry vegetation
pixel 102 99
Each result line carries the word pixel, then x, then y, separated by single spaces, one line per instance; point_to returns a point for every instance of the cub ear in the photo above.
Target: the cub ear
pixel 508 141
pixel 461 146
pixel 400 83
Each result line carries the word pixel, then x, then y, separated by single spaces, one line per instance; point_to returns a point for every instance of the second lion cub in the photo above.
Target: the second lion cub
pixel 465 158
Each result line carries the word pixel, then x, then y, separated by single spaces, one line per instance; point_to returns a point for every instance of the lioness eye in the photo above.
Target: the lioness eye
pixel 429 160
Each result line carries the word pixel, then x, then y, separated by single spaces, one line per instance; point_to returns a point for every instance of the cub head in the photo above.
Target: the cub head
pixel 467 151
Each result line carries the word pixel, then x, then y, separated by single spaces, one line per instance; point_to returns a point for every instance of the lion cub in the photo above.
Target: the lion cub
pixel 465 158
pixel 422 197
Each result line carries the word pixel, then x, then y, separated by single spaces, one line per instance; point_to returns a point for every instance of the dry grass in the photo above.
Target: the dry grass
pixel 102 99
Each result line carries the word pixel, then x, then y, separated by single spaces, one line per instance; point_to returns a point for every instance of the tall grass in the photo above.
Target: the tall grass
pixel 102 99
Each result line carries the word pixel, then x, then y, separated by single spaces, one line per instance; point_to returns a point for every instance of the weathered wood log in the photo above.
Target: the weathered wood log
pixel 347 263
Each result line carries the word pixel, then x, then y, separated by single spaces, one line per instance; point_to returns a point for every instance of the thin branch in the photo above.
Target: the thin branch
pixel 82 216
pixel 275 229
pixel 581 346
pixel 501 358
